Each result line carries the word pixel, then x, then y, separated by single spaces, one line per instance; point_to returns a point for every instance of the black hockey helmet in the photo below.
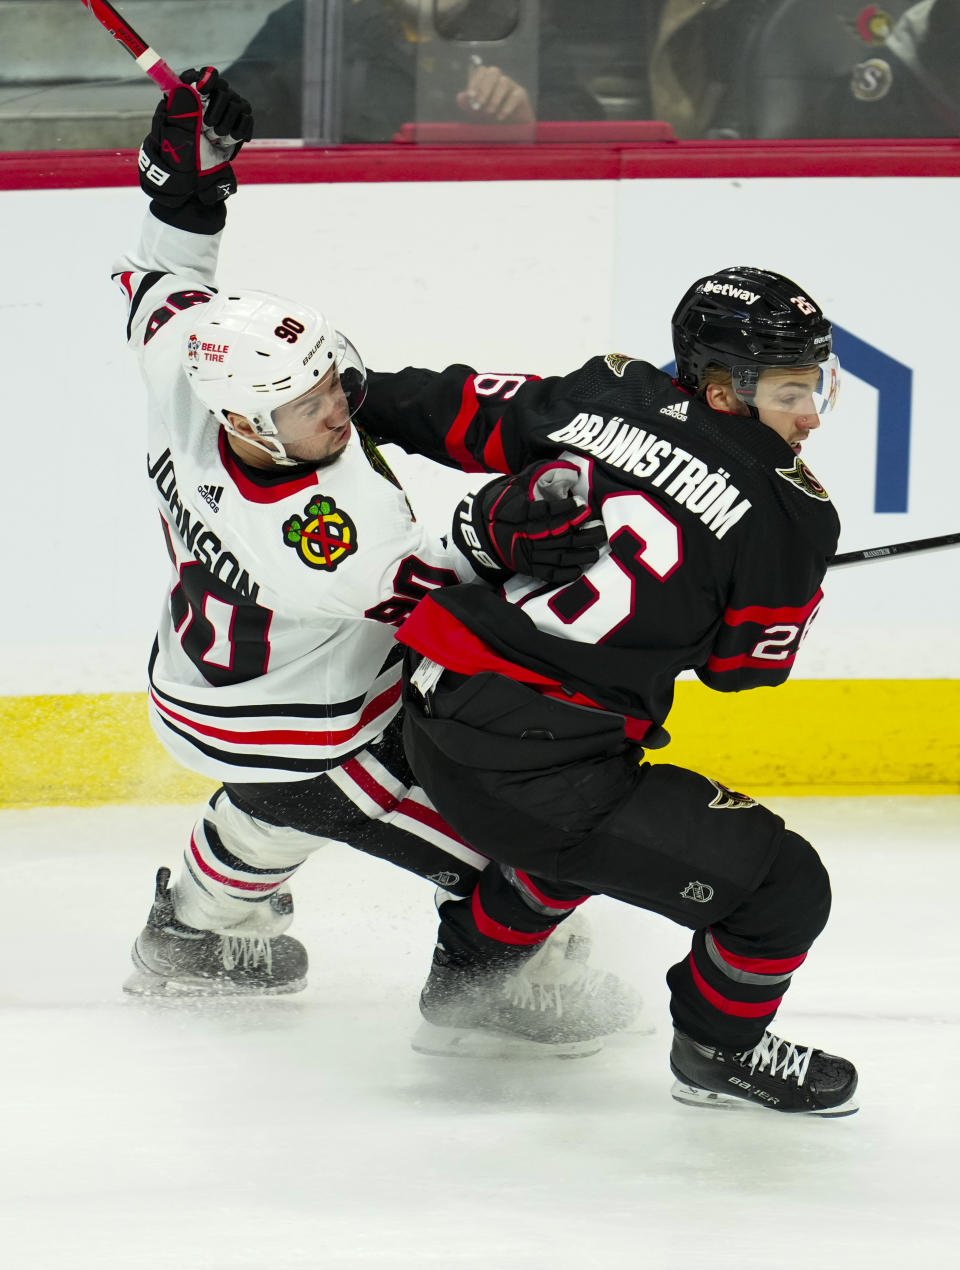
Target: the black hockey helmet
pixel 747 320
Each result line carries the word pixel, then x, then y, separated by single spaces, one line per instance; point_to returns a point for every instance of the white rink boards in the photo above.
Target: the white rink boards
pixel 515 275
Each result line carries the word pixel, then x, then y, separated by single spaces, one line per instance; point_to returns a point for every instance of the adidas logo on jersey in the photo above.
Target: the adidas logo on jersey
pixel 679 411
pixel 211 494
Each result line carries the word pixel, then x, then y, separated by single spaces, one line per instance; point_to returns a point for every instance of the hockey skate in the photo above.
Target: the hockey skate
pixel 553 1005
pixel 774 1074
pixel 172 959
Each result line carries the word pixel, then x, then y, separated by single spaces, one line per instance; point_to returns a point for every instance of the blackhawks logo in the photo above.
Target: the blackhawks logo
pixel 324 536
pixel 729 799
pixel 805 481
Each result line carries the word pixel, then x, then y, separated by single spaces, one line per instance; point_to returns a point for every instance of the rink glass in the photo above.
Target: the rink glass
pixel 364 72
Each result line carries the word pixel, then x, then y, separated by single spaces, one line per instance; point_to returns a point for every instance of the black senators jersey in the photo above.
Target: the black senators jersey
pixel 718 535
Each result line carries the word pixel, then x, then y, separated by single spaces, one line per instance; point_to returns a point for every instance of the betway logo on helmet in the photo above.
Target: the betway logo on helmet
pixel 736 293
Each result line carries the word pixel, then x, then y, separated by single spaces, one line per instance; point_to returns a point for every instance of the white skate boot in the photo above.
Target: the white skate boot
pixel 174 959
pixel 553 1005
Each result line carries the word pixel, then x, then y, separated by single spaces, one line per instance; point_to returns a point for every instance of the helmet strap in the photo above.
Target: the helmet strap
pixel 272 446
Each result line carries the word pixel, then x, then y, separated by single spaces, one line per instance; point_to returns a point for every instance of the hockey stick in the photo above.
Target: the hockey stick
pixel 146 58
pixel 894 549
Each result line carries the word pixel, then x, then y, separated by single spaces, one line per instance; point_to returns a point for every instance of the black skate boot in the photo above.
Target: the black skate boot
pixel 173 959
pixel 552 1005
pixel 774 1074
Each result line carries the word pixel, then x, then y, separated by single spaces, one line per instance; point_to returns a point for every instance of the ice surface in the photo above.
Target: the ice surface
pixel 304 1132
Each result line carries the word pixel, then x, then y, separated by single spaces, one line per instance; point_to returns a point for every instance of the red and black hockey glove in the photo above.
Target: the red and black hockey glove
pixel 196 132
pixel 529 523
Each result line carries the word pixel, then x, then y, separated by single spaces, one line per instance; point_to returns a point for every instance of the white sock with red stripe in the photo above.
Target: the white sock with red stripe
pixel 232 868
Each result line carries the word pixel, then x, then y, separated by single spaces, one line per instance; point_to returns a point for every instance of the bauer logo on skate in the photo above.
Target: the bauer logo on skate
pixel 324 538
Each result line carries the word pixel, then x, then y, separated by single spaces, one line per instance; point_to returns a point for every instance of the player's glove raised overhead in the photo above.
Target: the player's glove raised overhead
pixel 196 132
pixel 529 523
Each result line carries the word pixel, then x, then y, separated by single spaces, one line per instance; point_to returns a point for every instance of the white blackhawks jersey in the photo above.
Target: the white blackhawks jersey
pixel 275 657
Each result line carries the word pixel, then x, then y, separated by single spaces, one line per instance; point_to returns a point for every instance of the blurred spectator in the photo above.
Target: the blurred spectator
pixel 808 68
pixel 381 40
pixel 614 41
pixel 696 57
pixel 910 86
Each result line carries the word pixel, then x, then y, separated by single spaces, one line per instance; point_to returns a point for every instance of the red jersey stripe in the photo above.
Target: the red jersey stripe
pixel 494 456
pixel 454 440
pixel 285 736
pixel 439 635
pixel 768 616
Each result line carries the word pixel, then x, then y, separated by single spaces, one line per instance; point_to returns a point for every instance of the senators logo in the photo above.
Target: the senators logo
pixel 729 799
pixel 805 481
pixel 324 537
pixel 874 25
pixel 618 363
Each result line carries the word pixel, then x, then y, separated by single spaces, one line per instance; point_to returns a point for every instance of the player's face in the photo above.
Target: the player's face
pixel 785 403
pixel 315 427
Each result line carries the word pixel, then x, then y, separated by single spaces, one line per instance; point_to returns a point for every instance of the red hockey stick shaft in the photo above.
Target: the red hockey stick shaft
pixel 146 58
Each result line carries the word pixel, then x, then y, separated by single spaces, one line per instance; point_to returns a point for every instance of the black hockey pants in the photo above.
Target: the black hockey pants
pixel 558 796
pixel 370 802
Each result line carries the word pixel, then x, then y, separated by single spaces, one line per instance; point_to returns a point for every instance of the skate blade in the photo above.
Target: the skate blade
pixel 454 1042
pixel 692 1096
pixel 144 983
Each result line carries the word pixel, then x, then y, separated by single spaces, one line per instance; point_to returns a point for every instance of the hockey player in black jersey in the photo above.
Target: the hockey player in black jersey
pixel 530 705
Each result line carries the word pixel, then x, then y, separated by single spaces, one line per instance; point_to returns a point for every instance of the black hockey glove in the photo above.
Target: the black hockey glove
pixel 196 132
pixel 529 523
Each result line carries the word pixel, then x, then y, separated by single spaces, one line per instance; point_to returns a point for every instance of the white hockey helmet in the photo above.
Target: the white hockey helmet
pixel 249 352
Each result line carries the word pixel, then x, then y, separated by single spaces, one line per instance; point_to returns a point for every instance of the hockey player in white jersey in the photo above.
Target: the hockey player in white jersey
pixel 295 554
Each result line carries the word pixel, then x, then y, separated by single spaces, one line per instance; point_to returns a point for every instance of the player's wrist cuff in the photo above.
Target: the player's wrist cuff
pixel 194 217
pixel 471 544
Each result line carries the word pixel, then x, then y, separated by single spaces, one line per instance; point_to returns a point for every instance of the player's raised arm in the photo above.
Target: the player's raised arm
pixel 185 160
pixel 185 167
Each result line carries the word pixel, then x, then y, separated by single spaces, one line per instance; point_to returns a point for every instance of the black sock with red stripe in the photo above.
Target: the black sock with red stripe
pixel 505 921
pixel 729 988
pixel 723 997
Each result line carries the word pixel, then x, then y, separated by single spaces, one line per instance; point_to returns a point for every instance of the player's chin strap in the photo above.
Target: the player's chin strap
pixel 270 444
